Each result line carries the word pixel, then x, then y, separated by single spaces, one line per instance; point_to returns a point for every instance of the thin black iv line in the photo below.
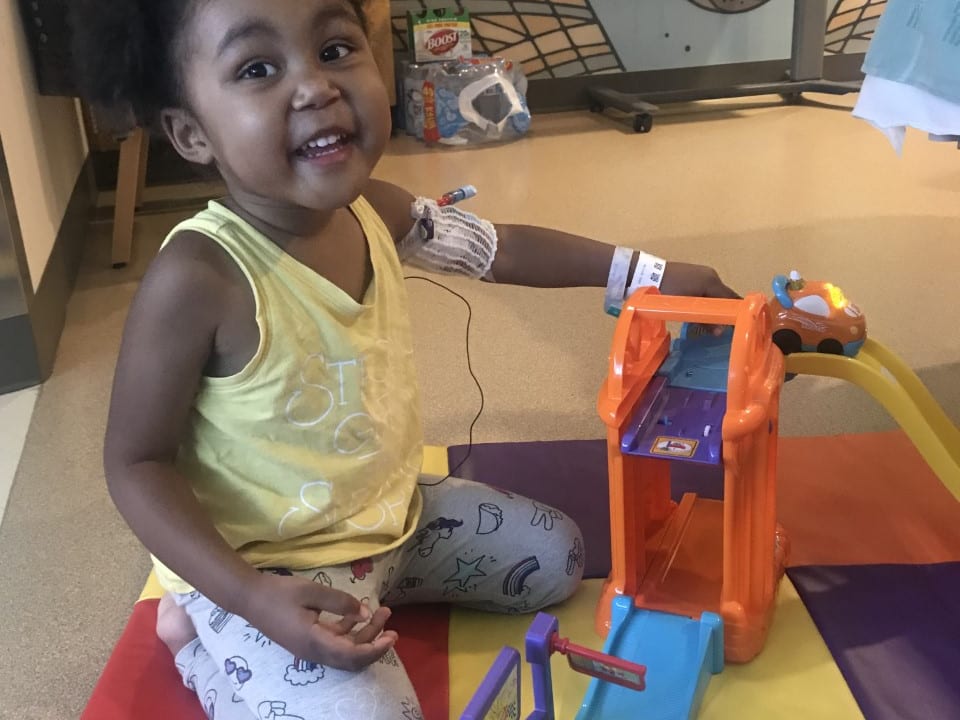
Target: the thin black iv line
pixel 476 381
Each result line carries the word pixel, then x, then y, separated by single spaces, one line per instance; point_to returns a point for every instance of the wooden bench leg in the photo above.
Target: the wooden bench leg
pixel 130 178
pixel 142 169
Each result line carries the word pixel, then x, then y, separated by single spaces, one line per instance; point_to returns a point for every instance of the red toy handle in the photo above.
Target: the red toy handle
pixel 600 665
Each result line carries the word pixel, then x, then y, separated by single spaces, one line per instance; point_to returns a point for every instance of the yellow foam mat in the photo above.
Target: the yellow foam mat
pixel 152 590
pixel 794 677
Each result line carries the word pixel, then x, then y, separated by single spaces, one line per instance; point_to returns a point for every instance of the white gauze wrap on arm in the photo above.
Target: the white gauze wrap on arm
pixel 448 240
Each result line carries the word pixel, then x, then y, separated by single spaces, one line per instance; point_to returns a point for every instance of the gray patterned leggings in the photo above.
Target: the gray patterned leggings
pixel 475 546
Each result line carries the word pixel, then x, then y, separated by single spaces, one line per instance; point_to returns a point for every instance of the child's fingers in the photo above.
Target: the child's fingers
pixel 719 289
pixel 373 630
pixel 344 653
pixel 337 602
pixel 703 329
pixel 372 626
pixel 370 652
pixel 344 625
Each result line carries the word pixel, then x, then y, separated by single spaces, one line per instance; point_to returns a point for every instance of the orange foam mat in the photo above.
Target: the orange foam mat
pixel 860 499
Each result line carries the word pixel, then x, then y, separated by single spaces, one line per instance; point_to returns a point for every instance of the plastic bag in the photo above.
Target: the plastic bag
pixel 411 98
pixel 467 101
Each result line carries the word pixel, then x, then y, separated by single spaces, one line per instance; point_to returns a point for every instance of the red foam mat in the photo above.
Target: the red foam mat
pixel 141 683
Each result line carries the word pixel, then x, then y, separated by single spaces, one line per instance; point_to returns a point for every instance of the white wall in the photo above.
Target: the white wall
pixel 43 142
pixel 656 35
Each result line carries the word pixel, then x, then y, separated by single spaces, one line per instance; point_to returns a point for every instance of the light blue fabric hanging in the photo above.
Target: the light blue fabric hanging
pixel 917 42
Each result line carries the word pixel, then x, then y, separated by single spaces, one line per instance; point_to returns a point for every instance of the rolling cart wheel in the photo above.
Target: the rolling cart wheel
pixel 596 107
pixel 792 98
pixel 642 123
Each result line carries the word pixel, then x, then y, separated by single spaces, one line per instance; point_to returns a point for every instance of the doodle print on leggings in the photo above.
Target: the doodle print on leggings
pixel 210 704
pixel 462 579
pixel 411 709
pixel 303 672
pixel 359 569
pixel 362 704
pixel 387 582
pixel 515 583
pixel 321 578
pixel 400 591
pixel 428 536
pixel 219 619
pixel 544 516
pixel 239 674
pixel 275 710
pixel 389 658
pixel 254 635
pixel 575 557
pixel 191 681
pixel 491 518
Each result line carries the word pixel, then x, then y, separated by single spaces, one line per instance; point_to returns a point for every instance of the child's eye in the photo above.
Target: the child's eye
pixel 336 51
pixel 257 71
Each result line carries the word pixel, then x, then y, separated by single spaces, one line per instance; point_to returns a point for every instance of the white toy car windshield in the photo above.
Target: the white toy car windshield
pixel 813 304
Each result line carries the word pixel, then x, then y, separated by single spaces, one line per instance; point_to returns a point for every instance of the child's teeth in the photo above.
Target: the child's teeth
pixel 320 143
pixel 323 142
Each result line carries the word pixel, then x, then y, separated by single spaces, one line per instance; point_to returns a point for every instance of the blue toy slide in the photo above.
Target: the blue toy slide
pixel 680 654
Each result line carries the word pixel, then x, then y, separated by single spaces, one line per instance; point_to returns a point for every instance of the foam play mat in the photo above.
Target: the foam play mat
pixel 867 623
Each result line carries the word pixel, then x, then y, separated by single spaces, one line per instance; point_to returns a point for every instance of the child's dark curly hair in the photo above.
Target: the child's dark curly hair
pixel 127 53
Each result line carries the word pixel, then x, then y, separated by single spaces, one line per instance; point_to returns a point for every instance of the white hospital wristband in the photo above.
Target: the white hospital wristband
pixel 648 273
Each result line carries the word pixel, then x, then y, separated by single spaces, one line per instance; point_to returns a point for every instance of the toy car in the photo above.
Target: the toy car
pixel 815 316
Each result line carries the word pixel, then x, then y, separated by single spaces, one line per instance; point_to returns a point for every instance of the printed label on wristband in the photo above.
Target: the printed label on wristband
pixel 648 273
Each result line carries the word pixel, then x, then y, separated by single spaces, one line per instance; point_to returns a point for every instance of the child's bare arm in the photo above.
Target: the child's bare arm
pixel 543 257
pixel 169 336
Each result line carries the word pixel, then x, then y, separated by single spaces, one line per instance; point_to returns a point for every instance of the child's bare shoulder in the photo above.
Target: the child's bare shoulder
pixel 192 280
pixel 392 204
pixel 184 299
pixel 194 256
pixel 192 265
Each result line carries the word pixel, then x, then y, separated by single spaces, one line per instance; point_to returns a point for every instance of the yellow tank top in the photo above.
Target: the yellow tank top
pixel 309 456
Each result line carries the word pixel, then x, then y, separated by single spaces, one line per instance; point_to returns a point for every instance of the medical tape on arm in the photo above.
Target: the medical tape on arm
pixel 448 240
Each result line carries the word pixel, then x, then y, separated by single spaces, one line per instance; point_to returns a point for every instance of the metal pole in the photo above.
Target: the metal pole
pixel 14 278
pixel 19 361
pixel 809 33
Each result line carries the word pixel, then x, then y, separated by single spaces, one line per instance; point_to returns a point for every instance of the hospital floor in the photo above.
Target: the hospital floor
pixel 748 188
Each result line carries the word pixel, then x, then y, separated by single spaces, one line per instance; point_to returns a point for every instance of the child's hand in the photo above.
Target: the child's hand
pixel 286 610
pixel 693 281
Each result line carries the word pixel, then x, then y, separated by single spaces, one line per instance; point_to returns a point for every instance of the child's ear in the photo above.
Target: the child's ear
pixel 186 135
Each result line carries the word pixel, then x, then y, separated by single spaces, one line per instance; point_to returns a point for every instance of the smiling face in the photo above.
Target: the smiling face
pixel 285 98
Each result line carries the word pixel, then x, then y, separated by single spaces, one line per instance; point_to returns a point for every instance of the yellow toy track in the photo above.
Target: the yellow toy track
pixel 895 386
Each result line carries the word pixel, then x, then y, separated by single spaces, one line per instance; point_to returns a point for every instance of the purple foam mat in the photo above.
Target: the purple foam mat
pixel 571 476
pixel 894 631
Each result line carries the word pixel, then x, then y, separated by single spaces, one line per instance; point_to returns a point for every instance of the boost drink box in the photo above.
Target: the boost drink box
pixel 439 34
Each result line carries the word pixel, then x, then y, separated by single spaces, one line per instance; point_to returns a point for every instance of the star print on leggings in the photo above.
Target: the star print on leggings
pixel 466 571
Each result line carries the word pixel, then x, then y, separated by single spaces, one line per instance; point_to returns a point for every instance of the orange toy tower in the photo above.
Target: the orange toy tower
pixel 723 556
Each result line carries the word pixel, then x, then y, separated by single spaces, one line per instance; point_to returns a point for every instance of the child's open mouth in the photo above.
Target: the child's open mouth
pixel 325 146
